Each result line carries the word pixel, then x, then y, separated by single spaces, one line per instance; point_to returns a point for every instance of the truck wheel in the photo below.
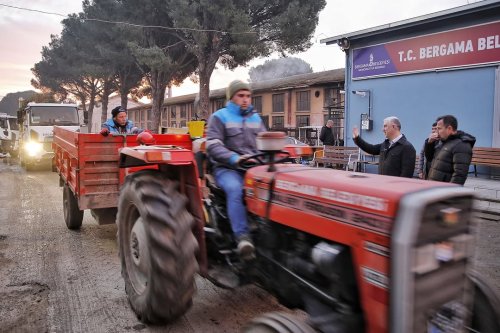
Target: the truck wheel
pixel 73 216
pixel 277 322
pixel 157 247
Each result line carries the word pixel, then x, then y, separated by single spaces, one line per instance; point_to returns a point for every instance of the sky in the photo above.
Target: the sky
pixel 23 34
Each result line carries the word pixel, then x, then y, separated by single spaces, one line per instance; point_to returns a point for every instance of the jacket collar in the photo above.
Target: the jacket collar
pixel 235 108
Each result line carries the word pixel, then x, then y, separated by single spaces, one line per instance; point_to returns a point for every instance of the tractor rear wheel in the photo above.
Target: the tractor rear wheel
pixel 277 322
pixel 157 247
pixel 73 216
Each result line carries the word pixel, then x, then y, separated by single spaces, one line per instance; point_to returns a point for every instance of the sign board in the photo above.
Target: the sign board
pixel 475 45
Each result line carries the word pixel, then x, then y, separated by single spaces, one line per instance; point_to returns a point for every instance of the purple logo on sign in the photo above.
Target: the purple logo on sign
pixel 371 61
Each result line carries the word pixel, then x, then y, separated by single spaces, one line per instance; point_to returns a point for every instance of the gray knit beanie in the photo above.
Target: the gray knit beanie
pixel 236 86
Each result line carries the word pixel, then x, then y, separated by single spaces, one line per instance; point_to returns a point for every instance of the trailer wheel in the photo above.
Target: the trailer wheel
pixel 157 247
pixel 73 216
pixel 277 322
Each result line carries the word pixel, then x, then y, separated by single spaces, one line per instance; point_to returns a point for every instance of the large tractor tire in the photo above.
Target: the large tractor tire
pixel 277 322
pixel 157 247
pixel 73 216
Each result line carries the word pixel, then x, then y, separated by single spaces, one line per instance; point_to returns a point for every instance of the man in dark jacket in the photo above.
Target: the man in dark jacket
pixel 326 135
pixel 424 165
pixel 450 163
pixel 397 155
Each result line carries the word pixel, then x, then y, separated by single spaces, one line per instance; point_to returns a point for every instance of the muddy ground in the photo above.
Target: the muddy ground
pixel 56 280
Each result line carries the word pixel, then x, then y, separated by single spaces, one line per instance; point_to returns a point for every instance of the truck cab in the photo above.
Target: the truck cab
pixel 9 134
pixel 37 122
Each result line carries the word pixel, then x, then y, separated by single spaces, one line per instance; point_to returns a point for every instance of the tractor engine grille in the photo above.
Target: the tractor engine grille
pixel 432 243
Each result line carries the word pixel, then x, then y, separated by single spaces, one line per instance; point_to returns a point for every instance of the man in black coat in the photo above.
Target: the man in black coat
pixel 326 135
pixel 397 155
pixel 450 163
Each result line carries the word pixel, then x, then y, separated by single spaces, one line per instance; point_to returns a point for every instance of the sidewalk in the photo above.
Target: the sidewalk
pixel 487 189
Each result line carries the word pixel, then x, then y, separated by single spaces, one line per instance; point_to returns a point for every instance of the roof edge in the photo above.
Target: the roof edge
pixel 436 16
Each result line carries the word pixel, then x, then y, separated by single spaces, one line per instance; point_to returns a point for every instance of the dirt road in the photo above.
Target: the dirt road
pixel 56 280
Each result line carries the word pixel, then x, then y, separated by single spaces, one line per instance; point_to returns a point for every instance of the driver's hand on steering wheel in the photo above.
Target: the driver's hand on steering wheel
pixel 245 156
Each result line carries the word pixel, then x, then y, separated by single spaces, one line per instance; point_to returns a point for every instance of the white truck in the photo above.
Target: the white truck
pixel 9 135
pixel 37 122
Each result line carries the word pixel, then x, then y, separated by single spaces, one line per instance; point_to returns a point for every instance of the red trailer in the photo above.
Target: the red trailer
pixel 88 166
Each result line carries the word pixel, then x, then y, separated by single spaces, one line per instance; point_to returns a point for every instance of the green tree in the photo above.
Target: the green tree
pixel 232 32
pixel 64 71
pixel 111 50
pixel 162 57
pixel 279 68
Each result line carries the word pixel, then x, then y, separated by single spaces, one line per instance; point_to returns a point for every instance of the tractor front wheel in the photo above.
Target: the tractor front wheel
pixel 157 247
pixel 277 322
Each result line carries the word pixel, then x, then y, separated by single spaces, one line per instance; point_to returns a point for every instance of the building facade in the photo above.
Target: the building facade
pixel 305 100
pixel 418 69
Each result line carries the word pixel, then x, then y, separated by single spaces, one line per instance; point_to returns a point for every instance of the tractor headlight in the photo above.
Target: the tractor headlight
pixel 33 148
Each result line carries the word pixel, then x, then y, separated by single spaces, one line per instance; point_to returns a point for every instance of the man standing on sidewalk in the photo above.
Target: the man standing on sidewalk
pixel 326 135
pixel 450 163
pixel 397 155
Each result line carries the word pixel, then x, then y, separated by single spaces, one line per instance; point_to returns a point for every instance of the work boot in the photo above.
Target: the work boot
pixel 246 250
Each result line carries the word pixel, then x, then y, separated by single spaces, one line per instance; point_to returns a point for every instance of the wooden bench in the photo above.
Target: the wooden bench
pixel 486 156
pixel 338 157
pixel 369 159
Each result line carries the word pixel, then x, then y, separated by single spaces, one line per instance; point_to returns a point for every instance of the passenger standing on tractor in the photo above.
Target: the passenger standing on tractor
pixel 397 154
pixel 231 136
pixel 119 124
pixel 450 163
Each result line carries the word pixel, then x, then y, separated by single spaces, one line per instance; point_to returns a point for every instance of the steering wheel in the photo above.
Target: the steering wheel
pixel 262 158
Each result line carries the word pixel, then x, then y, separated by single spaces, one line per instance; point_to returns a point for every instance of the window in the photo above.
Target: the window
pixel 257 103
pixel 142 121
pixel 219 103
pixel 278 122
pixel 333 98
pixel 265 120
pixel 190 112
pixel 183 123
pixel 278 103
pixel 149 122
pixel 302 121
pixel 131 116
pixel 173 112
pixel 303 100
pixel 164 116
pixel 183 111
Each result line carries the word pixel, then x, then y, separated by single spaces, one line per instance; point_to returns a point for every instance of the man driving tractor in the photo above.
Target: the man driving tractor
pixel 231 137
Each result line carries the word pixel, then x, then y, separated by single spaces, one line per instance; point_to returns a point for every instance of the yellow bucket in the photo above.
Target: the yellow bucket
pixel 196 128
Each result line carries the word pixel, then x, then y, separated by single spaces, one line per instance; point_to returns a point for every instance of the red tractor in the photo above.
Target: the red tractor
pixel 357 252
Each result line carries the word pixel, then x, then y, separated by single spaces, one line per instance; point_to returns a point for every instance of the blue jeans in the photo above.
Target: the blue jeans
pixel 231 181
